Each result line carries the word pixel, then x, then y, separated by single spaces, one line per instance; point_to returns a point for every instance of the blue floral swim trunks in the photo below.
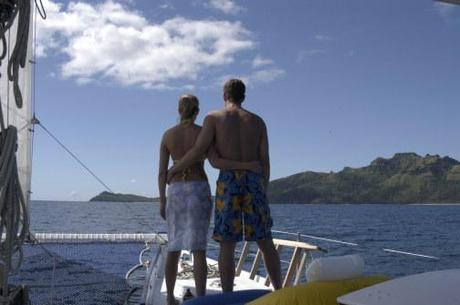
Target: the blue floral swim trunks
pixel 241 207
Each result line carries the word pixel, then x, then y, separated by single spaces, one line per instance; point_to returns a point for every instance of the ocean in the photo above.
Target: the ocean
pixel 431 230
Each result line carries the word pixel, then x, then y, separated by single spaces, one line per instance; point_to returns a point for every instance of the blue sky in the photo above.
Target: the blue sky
pixel 339 83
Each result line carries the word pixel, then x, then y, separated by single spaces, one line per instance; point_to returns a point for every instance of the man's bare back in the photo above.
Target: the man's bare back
pixel 238 134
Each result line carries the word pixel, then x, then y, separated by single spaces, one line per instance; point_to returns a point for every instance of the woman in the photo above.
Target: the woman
pixel 187 208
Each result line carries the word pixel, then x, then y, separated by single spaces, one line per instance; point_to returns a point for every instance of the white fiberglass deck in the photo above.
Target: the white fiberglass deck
pixel 242 282
pixel 430 288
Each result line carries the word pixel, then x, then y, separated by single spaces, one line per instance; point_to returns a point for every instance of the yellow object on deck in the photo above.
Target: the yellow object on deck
pixel 317 293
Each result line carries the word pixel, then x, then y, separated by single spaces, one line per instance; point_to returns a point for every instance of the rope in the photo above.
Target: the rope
pixel 40 8
pixel 14 218
pixel 14 221
pixel 19 55
pixel 188 273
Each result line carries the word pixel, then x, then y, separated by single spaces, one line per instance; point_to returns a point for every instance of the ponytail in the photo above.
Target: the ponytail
pixel 188 108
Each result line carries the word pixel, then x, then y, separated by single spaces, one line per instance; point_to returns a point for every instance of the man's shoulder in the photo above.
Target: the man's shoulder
pixel 212 116
pixel 255 117
pixel 216 113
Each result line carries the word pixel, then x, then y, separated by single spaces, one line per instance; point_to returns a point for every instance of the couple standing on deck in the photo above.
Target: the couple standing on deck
pixel 235 141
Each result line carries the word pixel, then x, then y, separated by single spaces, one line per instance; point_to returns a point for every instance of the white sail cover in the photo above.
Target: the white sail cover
pixel 21 118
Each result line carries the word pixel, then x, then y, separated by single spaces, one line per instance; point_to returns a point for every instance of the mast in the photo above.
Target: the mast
pixel 16 29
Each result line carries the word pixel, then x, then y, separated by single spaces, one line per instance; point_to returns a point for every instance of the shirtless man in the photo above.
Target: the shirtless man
pixel 238 135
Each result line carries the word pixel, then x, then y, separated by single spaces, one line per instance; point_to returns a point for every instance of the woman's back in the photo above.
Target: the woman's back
pixel 179 140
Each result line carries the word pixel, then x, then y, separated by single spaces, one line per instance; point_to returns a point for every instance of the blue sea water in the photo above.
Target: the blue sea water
pixel 93 273
pixel 432 230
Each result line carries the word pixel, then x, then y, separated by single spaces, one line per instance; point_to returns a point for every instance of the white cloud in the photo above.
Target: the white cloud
pixel 304 54
pixel 109 41
pixel 166 6
pixel 256 77
pixel 226 6
pixel 133 180
pixel 259 61
pixel 266 76
pixel 322 37
pixel 83 80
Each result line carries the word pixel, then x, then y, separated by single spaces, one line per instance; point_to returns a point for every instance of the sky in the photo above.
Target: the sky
pixel 339 83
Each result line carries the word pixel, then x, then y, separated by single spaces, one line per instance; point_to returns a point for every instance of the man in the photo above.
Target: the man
pixel 239 135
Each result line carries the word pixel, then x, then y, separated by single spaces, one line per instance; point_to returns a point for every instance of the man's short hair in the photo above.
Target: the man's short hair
pixel 234 90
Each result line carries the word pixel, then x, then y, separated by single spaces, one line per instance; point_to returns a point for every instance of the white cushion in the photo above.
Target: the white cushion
pixel 335 268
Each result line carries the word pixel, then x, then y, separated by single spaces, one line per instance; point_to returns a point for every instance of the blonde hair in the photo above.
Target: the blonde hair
pixel 189 106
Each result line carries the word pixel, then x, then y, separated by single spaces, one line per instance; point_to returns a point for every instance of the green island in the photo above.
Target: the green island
pixel 404 178
pixel 117 197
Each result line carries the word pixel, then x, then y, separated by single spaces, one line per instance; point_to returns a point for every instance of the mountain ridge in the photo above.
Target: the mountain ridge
pixel 403 178
pixel 119 197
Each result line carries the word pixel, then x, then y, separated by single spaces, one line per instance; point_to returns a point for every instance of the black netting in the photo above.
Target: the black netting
pixel 83 273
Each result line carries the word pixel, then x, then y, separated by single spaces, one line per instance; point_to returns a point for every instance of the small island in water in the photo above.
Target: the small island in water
pixel 404 178
pixel 117 197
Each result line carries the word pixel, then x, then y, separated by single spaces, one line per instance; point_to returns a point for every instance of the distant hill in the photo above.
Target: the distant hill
pixel 404 178
pixel 107 196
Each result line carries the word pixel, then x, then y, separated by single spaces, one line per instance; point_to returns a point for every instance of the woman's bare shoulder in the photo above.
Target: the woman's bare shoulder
pixel 170 132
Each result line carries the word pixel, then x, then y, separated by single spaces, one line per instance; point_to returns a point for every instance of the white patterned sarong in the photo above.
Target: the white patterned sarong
pixel 188 214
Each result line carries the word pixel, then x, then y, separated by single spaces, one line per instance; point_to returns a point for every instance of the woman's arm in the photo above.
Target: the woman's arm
pixel 162 176
pixel 225 164
pixel 199 149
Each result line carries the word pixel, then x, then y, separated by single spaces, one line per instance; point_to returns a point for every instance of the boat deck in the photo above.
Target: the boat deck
pixel 242 282
pixel 154 287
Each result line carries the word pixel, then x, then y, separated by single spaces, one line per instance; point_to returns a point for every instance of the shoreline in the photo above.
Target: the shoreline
pixel 273 203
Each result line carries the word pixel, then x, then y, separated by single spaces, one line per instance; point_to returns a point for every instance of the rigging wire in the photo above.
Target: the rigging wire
pixel 410 253
pixel 81 163
pixel 318 238
pixel 73 156
pixel 87 169
pixel 354 244
pixel 8 83
pixel 41 10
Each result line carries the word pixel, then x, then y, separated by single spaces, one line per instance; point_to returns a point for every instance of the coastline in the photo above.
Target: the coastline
pixel 271 203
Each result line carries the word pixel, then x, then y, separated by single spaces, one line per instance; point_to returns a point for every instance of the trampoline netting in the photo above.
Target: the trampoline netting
pixel 77 273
